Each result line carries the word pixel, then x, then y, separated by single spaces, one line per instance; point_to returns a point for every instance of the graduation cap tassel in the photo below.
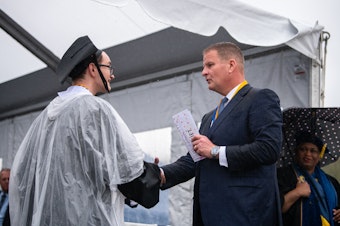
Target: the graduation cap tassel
pixel 323 151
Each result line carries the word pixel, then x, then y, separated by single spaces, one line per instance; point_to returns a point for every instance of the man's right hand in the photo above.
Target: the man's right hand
pixel 303 189
pixel 161 176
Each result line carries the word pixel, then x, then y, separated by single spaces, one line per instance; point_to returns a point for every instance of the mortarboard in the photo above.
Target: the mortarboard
pixel 307 137
pixel 78 56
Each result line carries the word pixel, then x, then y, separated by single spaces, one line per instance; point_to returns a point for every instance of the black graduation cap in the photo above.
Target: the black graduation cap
pixel 77 58
pixel 307 137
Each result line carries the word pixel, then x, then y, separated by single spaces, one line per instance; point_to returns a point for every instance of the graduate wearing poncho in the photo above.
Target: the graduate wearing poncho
pixel 75 153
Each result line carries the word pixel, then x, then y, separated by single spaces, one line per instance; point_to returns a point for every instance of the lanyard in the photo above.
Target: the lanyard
pixel 215 115
pixel 240 87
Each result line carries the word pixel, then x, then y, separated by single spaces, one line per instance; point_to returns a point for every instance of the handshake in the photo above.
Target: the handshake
pixel 144 189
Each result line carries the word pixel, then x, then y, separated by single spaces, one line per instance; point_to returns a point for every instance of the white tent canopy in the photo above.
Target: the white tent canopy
pixel 244 23
pixel 109 23
pixel 112 22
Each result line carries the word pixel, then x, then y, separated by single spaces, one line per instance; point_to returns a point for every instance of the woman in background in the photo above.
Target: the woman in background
pixel 309 196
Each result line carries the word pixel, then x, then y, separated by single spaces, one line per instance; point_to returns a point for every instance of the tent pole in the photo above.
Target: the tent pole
pixel 28 41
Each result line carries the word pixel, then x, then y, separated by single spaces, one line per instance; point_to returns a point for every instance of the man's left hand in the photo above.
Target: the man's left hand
pixel 202 145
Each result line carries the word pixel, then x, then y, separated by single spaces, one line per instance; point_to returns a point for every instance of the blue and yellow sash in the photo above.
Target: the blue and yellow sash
pixel 321 187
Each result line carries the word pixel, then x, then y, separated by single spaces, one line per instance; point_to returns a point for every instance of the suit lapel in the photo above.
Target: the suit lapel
pixel 206 121
pixel 236 100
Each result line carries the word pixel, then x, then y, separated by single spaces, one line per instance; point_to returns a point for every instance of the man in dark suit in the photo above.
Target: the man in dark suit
pixel 4 210
pixel 236 182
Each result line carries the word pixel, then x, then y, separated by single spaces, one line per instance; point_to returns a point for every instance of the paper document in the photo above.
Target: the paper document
pixel 187 128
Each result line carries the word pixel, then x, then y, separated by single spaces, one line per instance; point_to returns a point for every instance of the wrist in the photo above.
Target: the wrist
pixel 162 177
pixel 214 151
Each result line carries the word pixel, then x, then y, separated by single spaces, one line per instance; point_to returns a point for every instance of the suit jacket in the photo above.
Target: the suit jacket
pixel 245 192
pixel 6 221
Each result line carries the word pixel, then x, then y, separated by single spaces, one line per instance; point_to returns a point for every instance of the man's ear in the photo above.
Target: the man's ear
pixel 232 64
pixel 92 69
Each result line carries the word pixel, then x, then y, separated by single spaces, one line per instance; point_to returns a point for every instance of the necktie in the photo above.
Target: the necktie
pixel 221 106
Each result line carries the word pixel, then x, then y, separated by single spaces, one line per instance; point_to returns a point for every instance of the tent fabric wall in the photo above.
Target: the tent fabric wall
pixel 12 132
pixel 151 106
pixel 180 196
pixel 285 72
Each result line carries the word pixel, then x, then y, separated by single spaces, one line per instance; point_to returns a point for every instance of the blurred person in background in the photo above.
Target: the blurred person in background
pixel 4 207
pixel 309 196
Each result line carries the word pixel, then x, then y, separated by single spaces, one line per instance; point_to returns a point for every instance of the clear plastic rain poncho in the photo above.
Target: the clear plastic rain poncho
pixel 68 166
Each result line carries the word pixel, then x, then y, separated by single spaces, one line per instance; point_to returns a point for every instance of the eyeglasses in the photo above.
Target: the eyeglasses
pixel 108 66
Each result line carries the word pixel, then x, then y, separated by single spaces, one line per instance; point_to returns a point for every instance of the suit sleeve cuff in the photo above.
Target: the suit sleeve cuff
pixel 223 157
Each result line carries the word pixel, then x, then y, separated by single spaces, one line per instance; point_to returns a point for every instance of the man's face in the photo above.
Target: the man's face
pixel 105 69
pixel 216 72
pixel 4 180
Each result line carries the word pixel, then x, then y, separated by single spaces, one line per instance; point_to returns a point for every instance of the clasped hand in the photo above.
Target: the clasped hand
pixel 303 189
pixel 202 145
